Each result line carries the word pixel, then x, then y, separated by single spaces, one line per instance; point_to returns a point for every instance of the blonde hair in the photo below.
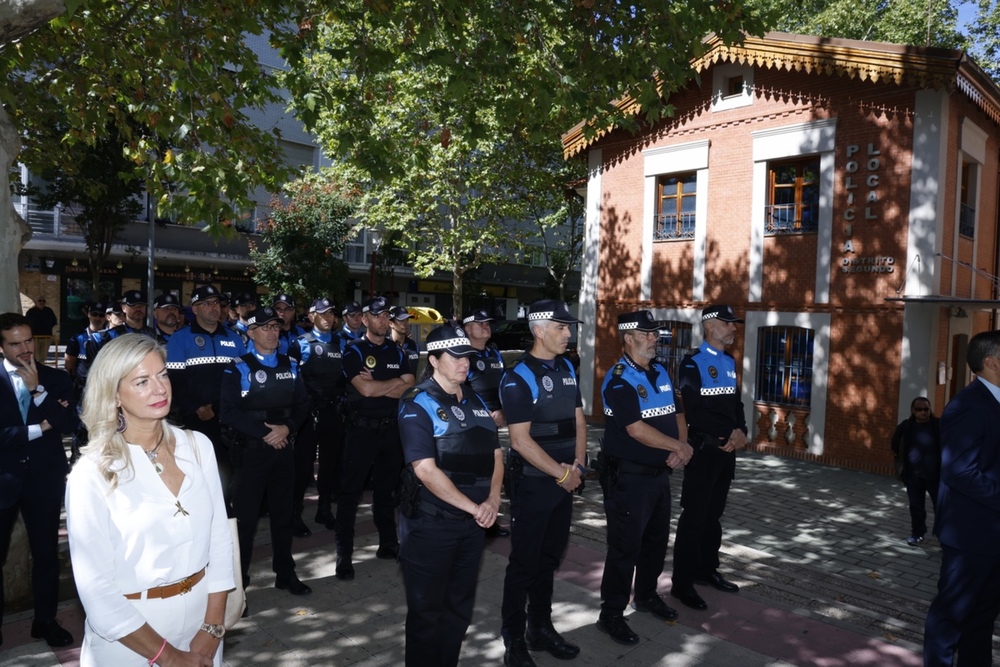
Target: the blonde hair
pixel 118 358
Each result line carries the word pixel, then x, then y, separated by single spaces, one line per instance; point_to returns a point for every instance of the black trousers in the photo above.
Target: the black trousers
pixel 916 489
pixel 539 532
pixel 440 558
pixel 213 429
pixel 265 470
pixel 962 615
pixel 40 504
pixel 323 436
pixel 378 451
pixel 638 531
pixel 707 478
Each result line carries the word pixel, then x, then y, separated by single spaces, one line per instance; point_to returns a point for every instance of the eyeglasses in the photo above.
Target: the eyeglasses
pixel 269 327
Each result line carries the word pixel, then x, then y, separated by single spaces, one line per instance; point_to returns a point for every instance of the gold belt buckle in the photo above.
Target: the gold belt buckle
pixel 186 585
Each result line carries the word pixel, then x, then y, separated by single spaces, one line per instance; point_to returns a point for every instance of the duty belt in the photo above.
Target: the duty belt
pixel 275 415
pixel 634 468
pixel 373 423
pixel 428 508
pixel 702 439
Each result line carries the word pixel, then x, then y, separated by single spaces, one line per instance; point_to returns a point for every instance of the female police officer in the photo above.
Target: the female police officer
pixel 450 441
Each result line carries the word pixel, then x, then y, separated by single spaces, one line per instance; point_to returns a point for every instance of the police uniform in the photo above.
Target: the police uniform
pixel 77 347
pixel 164 300
pixel 486 369
pixel 371 443
pixel 441 545
pixel 345 331
pixel 196 361
pixel 637 490
pixel 100 339
pixel 258 389
pixel 544 393
pixel 711 398
pixel 400 313
pixel 320 358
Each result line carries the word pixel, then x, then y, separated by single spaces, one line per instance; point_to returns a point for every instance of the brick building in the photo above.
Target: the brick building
pixel 842 196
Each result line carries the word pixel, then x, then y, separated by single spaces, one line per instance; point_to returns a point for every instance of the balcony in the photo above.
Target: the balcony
pixel 671 226
pixel 791 219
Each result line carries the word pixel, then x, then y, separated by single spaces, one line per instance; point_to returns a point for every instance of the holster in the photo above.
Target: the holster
pixel 234 441
pixel 607 473
pixel 512 475
pixel 409 492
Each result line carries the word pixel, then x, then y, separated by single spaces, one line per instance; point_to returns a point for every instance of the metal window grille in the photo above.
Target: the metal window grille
pixel 784 366
pixel 673 343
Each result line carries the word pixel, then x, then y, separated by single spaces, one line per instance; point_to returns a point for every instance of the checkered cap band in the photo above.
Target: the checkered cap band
pixel 445 344
pixel 545 315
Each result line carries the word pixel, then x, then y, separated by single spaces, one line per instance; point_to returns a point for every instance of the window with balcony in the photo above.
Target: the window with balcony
pixel 967 206
pixel 676 204
pixel 784 366
pixel 674 342
pixel 793 197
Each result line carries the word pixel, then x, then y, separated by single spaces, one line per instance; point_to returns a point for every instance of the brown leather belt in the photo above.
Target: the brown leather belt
pixel 170 590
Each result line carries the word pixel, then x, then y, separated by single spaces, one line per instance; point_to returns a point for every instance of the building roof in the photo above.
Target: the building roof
pixel 877 62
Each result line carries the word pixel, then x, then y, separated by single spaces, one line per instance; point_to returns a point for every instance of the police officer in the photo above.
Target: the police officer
pixel 377 374
pixel 486 368
pixel 284 305
pixel 645 437
pixel 450 441
pixel 78 364
pixel 353 321
pixel 115 315
pixel 716 429
pixel 548 436
pixel 320 357
pixel 167 314
pixel 399 318
pixel 245 304
pixel 265 401
pixel 133 309
pixel 197 355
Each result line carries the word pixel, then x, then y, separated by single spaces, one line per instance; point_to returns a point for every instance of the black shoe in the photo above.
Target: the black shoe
pixel 716 581
pixel 345 569
pixel 299 527
pixel 617 628
pixel 292 584
pixel 545 638
pixel 516 654
pixel 496 530
pixel 688 596
pixel 657 607
pixel 387 552
pixel 324 515
pixel 53 633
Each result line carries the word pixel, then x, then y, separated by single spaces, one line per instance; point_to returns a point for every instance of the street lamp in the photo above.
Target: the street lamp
pixel 375 234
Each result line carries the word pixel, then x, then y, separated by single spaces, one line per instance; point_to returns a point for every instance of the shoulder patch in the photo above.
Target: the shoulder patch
pixel 618 370
pixel 411 393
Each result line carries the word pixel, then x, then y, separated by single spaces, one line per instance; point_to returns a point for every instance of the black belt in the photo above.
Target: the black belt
pixel 270 416
pixel 634 468
pixel 429 509
pixel 702 439
pixel 373 423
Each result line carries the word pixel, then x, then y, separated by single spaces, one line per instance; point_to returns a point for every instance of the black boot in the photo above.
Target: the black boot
pixel 516 654
pixel 542 636
pixel 324 515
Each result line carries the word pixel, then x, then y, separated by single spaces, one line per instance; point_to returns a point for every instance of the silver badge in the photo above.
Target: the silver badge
pixel 481 365
pixel 547 383
pixel 458 412
pixel 260 376
pixel 318 349
pixel 199 341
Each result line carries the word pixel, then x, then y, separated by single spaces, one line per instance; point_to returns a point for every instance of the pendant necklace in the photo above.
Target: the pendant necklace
pixel 151 455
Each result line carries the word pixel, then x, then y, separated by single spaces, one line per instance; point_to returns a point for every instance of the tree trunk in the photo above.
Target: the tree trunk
pixel 14 232
pixel 19 17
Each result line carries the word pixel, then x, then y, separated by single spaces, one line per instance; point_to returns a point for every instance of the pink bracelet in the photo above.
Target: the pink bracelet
pixel 156 657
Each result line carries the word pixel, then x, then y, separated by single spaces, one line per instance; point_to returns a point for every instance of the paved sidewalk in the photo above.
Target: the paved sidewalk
pixel 827 579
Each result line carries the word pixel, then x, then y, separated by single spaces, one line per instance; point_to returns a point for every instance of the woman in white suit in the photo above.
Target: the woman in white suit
pixel 149 540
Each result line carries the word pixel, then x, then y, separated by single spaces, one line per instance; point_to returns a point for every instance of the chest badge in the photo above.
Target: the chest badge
pixel 458 412
pixel 713 372
pixel 318 349
pixel 260 376
pixel 442 415
pixel 481 365
pixel 199 341
pixel 547 383
pixel 370 362
pixel 643 394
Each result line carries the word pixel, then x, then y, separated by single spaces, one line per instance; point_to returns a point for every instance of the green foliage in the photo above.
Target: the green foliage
pixel 303 240
pixel 895 21
pixel 181 69
pixel 985 36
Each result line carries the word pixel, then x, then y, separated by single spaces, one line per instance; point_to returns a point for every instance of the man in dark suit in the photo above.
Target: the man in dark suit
pixel 961 617
pixel 36 406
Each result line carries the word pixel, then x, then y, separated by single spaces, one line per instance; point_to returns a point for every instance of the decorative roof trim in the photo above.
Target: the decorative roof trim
pixel 876 62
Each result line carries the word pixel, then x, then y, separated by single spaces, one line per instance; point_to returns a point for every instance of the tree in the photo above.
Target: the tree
pixel 99 192
pixel 303 239
pixel 182 69
pixel 985 37
pixel 933 23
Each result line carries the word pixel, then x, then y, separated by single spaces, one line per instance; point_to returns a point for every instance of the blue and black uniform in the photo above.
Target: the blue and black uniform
pixel 441 546
pixel 486 369
pixel 196 360
pixel 94 344
pixel 77 347
pixel 320 358
pixel 711 399
pixel 412 351
pixel 544 393
pixel 258 390
pixel 637 504
pixel 371 443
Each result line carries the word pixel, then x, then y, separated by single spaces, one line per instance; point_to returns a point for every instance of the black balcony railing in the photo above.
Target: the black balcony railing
pixel 671 226
pixel 967 221
pixel 791 219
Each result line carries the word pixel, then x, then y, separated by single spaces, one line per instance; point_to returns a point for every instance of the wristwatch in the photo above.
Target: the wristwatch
pixel 216 631
pixel 39 389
